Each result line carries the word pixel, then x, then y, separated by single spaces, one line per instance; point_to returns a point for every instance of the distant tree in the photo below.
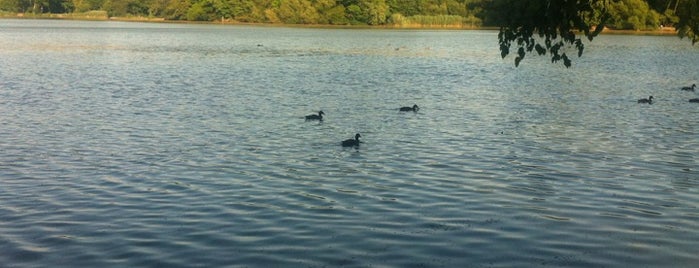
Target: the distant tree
pixel 355 15
pixel 156 8
pixel 175 9
pixel 659 5
pixel 137 7
pixel 404 7
pixel 201 11
pixel 243 10
pixel 431 7
pixel 86 5
pixel 337 15
pixel 10 5
pixel 55 6
pixel 330 12
pixel 252 10
pixel 632 15
pixel 296 12
pixel 125 7
pixel 375 11
pixel 457 8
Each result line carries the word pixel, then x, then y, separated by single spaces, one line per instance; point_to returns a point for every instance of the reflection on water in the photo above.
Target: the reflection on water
pixel 129 144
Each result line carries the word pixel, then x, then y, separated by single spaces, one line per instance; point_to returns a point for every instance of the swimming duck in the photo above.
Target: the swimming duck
pixel 690 88
pixel 649 100
pixel 408 109
pixel 694 100
pixel 351 142
pixel 315 117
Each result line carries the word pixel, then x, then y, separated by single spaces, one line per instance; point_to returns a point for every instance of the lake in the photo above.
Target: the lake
pixel 177 145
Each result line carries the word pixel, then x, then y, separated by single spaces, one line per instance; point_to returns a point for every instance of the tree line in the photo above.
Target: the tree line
pixel 623 14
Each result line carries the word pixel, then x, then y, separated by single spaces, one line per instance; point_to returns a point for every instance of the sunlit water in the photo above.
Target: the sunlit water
pixel 168 145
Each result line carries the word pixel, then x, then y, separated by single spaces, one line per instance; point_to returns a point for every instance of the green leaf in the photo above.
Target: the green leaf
pixel 540 50
pixel 566 61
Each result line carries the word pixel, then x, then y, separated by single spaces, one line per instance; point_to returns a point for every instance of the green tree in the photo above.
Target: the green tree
pixel 433 7
pixel 256 11
pixel 456 8
pixel 174 9
pixel 404 7
pixel 375 12
pixel 330 12
pixel 633 15
pixel 244 10
pixel 156 8
pixel 86 5
pixel 201 11
pixel 336 15
pixel 125 7
pixel 57 6
pixel 355 14
pixel 10 5
pixel 296 12
pixel 223 9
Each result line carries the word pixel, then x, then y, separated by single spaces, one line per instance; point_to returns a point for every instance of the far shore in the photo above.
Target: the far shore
pixel 659 31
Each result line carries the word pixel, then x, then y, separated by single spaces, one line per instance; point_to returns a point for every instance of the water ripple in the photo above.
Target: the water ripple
pixel 185 145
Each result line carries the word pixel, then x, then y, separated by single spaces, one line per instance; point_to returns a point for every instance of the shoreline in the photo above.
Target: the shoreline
pixel 87 17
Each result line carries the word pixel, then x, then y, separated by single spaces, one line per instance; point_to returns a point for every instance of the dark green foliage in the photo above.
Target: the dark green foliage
pixel 632 15
pixel 688 24
pixel 545 26
pixel 9 6
pixel 201 11
pixel 557 26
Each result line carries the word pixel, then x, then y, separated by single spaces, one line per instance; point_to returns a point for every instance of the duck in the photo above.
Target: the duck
pixel 351 142
pixel 408 109
pixel 690 88
pixel 649 100
pixel 319 116
pixel 694 100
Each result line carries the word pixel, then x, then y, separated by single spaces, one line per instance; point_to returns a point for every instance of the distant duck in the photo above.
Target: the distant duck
pixel 690 88
pixel 351 142
pixel 694 100
pixel 408 109
pixel 649 100
pixel 319 116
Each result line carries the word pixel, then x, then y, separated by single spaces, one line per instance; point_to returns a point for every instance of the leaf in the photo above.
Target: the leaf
pixel 504 50
pixel 566 61
pixel 580 46
pixel 554 49
pixel 540 50
pixel 530 46
pixel 555 58
pixel 517 60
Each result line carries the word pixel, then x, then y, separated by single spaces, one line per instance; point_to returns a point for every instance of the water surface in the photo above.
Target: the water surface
pixel 168 145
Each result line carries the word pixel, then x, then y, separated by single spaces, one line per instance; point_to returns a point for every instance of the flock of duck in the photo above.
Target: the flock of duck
pixel 355 142
pixel 649 100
